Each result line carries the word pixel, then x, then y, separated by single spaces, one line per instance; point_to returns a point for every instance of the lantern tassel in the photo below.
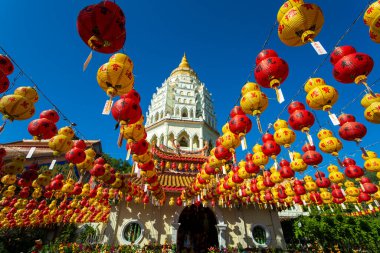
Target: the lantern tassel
pixel 339 162
pixel 369 89
pixel 291 155
pixel 259 124
pixel 309 138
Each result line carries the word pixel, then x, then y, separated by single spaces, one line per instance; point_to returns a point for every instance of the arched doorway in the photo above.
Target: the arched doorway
pixel 197 231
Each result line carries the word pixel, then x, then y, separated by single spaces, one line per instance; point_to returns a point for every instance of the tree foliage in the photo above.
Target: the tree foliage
pixel 345 231
pixel 120 165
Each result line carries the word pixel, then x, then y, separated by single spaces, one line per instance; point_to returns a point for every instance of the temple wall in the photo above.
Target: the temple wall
pixel 160 224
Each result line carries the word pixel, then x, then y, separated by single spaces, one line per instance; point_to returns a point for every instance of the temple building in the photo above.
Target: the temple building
pixel 181 127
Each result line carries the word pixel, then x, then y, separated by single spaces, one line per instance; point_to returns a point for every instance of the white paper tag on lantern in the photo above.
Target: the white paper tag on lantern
pixel 370 207
pixel 128 154
pixel 199 198
pixel 304 202
pixel 52 164
pixel 275 164
pixel 318 48
pixel 357 208
pixel 332 210
pixel 137 170
pixel 280 96
pixel 243 142
pixel 376 202
pixel 309 139
pixel 240 192
pixel 30 153
pixel 343 206
pixel 291 156
pixel 145 187
pixel 107 107
pixel 88 59
pixel 334 119
pixel 308 208
pixel 319 209
pixel 343 192
pixel 224 170
pixel 362 187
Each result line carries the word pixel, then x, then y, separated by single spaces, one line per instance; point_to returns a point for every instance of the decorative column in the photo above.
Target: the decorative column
pixel 175 227
pixel 221 227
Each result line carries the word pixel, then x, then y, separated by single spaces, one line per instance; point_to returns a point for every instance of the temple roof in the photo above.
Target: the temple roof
pixel 184 68
pixel 172 182
pixel 178 155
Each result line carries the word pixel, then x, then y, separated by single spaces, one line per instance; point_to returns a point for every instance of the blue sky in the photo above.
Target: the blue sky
pixel 221 40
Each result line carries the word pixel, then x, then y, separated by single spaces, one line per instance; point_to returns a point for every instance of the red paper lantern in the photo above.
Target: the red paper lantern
pixel 240 124
pixel 140 147
pixel 270 147
pixel 285 169
pixel 264 54
pixel 102 27
pixel 340 52
pixel 6 65
pixel 132 94
pixel 42 128
pixel 179 201
pixel 352 170
pixel 301 119
pixel 270 71
pixel 352 67
pixel 250 167
pixel 236 111
pixel 127 110
pixel 75 155
pixel 221 153
pixel 311 157
pixel 50 115
pixel 4 82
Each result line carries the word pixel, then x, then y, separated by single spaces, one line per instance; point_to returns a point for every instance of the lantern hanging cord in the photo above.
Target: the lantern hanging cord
pixel 23 73
pixel 266 42
pixel 348 30
pixel 13 83
pixel 359 96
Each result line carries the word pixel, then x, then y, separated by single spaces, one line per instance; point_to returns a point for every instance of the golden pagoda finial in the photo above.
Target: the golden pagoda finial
pixel 184 63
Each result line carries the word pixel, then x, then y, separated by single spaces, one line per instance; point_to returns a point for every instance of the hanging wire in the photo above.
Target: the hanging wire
pixel 348 30
pixel 41 93
pixel 266 42
pixel 358 97
pixel 19 74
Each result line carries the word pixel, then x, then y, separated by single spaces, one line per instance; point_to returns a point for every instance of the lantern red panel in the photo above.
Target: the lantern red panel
pixel 102 27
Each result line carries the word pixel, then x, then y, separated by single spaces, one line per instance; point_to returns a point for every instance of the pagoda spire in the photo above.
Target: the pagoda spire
pixel 184 63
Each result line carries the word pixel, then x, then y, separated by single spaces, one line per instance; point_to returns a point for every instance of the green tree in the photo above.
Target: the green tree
pixel 120 165
pixel 347 232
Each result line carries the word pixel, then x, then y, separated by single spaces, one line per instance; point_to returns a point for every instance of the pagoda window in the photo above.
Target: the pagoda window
pixel 185 101
pixel 156 117
pixel 171 140
pixel 183 139
pixel 189 94
pixel 176 112
pixel 153 141
pixel 184 112
pixel 179 100
pixel 191 113
pixel 161 115
pixel 162 140
pixel 195 142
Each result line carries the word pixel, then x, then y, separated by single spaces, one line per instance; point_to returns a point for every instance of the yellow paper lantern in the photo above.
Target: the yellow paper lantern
pixel 300 24
pixel 254 103
pixel 319 95
pixel 328 143
pixel 115 78
pixel 372 19
pixel 286 7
